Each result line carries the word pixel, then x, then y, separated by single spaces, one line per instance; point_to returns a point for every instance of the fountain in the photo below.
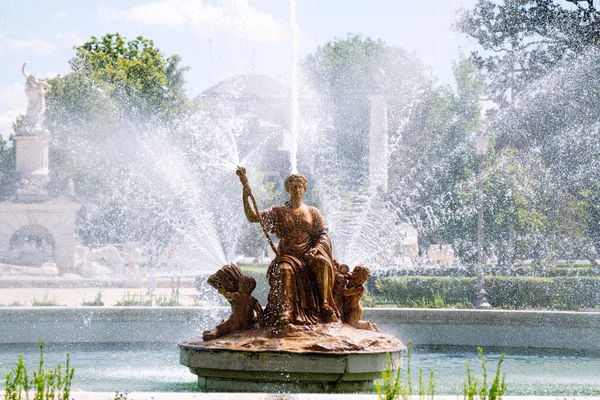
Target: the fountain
pixel 311 336
pixel 196 198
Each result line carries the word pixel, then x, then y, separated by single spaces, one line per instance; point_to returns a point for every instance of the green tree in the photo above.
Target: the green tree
pixel 556 121
pixel 547 114
pixel 434 155
pixel 137 70
pixel 429 130
pixel 121 96
pixel 8 175
pixel 341 72
pixel 523 39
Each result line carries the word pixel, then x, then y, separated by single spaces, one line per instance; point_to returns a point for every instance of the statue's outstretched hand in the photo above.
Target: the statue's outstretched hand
pixel 311 255
pixel 241 172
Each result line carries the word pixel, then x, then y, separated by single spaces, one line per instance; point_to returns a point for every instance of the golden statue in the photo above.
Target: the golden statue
pixel 236 287
pixel 302 275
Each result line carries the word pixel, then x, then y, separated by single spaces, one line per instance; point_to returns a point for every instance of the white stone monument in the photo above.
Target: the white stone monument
pixel 378 137
pixel 378 165
pixel 36 230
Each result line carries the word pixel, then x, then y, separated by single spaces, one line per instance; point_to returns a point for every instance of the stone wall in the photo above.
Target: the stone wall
pixel 515 329
pixel 58 218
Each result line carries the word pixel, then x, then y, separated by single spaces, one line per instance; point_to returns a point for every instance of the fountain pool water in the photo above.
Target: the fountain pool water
pixel 155 367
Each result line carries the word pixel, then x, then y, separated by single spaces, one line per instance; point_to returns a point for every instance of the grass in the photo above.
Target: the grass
pixel 97 302
pixel 47 384
pixel 172 301
pixel 14 303
pixel 45 302
pixel 392 386
pixel 474 389
pixel 257 268
pixel 138 300
pixel 396 385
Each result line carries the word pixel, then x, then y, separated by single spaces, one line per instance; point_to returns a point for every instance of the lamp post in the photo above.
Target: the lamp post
pixel 167 96
pixel 482 142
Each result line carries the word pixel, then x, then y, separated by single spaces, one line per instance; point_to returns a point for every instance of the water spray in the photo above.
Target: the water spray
pixel 241 172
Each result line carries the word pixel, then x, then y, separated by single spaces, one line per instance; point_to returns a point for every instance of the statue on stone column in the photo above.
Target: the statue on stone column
pixel 36 91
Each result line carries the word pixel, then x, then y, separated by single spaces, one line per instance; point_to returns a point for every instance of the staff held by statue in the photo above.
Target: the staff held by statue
pixel 241 172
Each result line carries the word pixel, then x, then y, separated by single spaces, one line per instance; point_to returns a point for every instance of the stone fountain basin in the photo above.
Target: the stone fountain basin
pixel 324 358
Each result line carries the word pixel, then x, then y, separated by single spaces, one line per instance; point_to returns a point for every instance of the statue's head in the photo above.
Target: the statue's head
pixel 361 273
pixel 295 179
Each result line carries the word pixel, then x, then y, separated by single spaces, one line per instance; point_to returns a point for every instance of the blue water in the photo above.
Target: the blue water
pixel 528 372
pixel 109 368
pixel 125 367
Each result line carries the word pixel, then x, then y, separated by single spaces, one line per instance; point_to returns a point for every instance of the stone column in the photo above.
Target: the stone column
pixel 32 165
pixel 378 144
pixel 32 156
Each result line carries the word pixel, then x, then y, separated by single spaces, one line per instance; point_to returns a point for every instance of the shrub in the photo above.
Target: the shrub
pixel 517 291
pixel 565 293
pixel 571 271
pixel 404 291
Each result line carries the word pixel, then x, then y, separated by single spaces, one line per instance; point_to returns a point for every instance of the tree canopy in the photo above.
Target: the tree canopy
pixel 522 39
pixel 136 70
pixel 540 60
pixel 100 116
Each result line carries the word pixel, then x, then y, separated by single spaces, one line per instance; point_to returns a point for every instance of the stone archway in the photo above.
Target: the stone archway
pixel 53 221
pixel 31 245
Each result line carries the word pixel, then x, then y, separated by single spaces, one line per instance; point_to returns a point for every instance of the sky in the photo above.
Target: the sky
pixel 217 38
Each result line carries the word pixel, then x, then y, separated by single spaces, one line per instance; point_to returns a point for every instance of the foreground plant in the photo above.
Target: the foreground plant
pixel 134 300
pixel 391 386
pixel 47 383
pixel 45 302
pixel 473 389
pixel 96 303
pixel 163 301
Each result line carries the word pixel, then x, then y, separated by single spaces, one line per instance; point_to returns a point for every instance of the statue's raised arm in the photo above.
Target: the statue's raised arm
pixel 36 91
pixel 251 213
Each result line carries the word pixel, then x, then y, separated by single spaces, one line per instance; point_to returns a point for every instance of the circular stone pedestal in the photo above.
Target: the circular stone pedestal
pixel 324 358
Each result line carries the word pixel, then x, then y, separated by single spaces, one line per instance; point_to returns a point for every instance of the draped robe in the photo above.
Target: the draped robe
pixel 298 235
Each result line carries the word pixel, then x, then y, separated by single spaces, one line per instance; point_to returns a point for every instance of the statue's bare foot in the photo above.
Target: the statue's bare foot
pixel 328 314
pixel 210 335
pixel 367 325
pixel 284 318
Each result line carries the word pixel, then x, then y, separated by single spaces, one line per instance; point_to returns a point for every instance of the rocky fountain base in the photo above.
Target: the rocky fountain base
pixel 331 357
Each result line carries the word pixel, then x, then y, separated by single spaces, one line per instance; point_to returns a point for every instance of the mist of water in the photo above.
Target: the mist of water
pixel 295 33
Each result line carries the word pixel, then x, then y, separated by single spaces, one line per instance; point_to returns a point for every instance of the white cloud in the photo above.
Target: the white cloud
pixel 6 120
pixel 61 14
pixel 232 17
pixel 77 40
pixel 48 75
pixel 14 94
pixel 14 102
pixel 34 44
